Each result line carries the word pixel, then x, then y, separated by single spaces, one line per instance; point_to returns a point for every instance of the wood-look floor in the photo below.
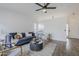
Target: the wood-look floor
pixel 68 48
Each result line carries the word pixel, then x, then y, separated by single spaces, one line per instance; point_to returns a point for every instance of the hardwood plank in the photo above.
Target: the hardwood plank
pixel 68 48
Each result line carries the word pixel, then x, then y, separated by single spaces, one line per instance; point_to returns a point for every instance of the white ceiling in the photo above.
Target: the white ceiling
pixel 28 9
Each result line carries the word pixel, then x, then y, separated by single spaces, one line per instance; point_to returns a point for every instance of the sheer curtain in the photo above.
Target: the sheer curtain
pixel 3 32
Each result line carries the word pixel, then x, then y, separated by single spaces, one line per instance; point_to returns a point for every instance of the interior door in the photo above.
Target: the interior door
pixel 73 22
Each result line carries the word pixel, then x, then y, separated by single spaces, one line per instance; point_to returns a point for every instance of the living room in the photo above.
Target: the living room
pixel 23 24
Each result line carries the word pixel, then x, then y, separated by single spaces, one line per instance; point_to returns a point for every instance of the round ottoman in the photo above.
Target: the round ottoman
pixel 36 46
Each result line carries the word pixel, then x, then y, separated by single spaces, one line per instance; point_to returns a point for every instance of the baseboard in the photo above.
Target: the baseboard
pixel 60 40
pixel 72 38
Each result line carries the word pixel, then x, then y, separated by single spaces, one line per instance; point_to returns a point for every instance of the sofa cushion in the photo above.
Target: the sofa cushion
pixel 13 34
pixel 24 41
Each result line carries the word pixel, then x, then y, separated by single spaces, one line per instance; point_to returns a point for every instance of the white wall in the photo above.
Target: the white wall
pixel 56 27
pixel 15 21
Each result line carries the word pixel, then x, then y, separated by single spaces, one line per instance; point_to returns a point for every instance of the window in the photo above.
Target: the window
pixel 40 27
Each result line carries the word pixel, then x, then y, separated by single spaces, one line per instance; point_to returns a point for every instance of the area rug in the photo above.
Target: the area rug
pixel 48 50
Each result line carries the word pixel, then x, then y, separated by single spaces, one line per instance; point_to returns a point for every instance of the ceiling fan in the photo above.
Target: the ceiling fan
pixel 44 7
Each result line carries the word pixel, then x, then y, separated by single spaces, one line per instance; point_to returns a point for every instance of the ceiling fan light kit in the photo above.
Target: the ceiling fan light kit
pixel 44 10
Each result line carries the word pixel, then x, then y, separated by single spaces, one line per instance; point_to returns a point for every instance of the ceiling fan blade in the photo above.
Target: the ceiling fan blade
pixel 51 8
pixel 39 4
pixel 39 9
pixel 46 4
